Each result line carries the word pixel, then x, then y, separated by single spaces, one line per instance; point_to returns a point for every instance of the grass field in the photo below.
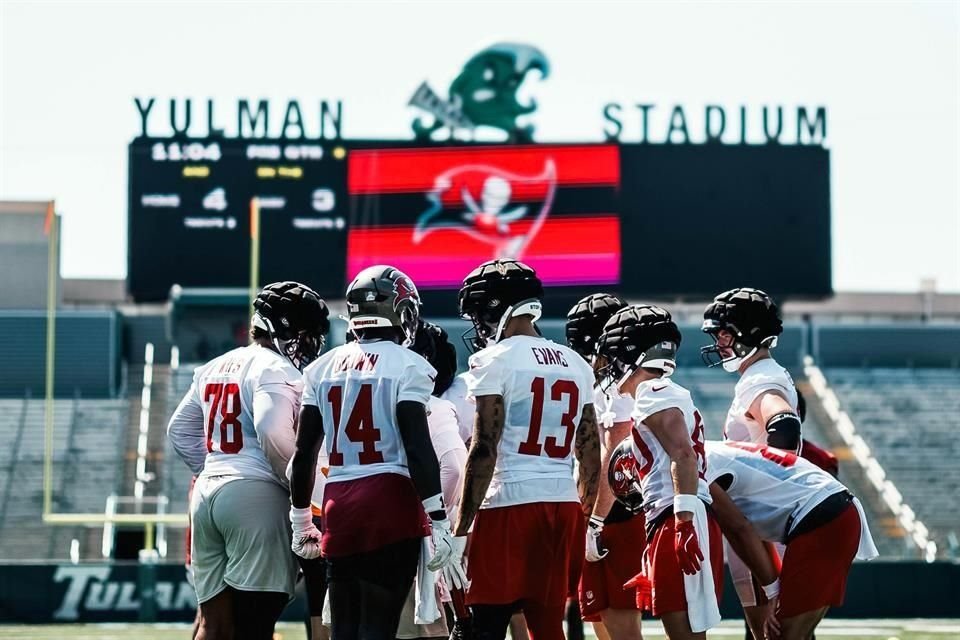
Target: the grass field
pixel 829 630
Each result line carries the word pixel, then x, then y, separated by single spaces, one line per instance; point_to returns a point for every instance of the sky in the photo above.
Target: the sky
pixel 888 73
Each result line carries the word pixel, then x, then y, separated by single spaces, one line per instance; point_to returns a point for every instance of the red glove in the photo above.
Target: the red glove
pixel 687 547
pixel 644 588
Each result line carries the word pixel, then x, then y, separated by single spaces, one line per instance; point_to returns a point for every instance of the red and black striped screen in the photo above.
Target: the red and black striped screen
pixel 438 213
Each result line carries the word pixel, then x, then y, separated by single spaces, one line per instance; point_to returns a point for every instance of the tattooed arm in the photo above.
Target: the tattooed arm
pixel 481 459
pixel 587 450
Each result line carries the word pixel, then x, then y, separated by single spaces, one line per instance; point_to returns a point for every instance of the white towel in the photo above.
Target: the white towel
pixel 703 612
pixel 325 615
pixel 426 610
pixel 867 549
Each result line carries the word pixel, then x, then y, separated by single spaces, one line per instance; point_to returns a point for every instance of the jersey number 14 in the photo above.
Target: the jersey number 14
pixel 359 427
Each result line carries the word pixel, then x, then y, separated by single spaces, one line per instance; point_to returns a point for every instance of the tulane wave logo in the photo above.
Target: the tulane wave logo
pixel 484 94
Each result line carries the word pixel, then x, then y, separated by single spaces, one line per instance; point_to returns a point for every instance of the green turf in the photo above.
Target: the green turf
pixel 730 629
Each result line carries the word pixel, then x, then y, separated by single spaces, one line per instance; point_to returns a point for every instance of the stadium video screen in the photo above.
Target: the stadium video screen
pixel 189 213
pixel 649 221
pixel 436 213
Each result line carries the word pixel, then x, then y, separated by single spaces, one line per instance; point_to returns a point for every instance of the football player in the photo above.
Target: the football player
pixel 615 536
pixel 464 404
pixel 369 397
pixel 235 429
pixel 534 413
pixel 624 479
pixel 791 501
pixel 433 344
pixel 745 325
pixel 639 344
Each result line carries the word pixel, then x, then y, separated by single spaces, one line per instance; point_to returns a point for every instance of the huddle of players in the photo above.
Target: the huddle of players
pixel 592 443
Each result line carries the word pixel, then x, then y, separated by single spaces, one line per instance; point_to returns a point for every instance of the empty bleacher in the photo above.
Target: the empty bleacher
pixel 86 469
pixel 910 418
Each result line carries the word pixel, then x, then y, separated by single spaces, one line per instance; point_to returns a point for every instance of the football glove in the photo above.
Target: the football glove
pixel 306 537
pixel 595 549
pixel 454 573
pixel 687 547
pixel 644 594
pixel 442 537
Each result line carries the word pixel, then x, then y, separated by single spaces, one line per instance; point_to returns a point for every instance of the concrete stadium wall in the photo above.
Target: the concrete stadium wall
pixel 886 345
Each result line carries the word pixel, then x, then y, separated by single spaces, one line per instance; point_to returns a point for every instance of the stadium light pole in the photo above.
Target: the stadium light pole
pixel 51 229
pixel 254 248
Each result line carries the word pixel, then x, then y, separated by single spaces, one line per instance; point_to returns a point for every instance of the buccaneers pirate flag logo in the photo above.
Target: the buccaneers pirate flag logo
pixel 499 208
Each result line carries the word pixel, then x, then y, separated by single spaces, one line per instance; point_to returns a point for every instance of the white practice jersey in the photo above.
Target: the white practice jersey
pixel 653 463
pixel 357 387
pixel 612 407
pixel 763 375
pixel 774 489
pixel 463 402
pixel 544 387
pixel 249 399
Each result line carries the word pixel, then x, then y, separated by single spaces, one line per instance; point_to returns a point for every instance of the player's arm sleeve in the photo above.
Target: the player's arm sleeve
pixel 186 432
pixel 452 464
pixel 784 432
pixel 275 406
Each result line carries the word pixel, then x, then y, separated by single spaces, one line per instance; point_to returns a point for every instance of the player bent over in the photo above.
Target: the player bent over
pixel 615 535
pixel 684 552
pixel 791 501
pixel 624 481
pixel 745 325
pixel 369 398
pixel 235 429
pixel 535 412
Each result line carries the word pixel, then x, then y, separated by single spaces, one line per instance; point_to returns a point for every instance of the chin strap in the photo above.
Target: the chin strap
pixel 528 307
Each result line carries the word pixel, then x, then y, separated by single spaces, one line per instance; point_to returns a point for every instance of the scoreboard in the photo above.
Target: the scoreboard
pixel 654 221
pixel 190 211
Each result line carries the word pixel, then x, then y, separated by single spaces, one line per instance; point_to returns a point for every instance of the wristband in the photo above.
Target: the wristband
pixel 434 507
pixel 685 502
pixel 596 522
pixel 772 590
pixel 301 516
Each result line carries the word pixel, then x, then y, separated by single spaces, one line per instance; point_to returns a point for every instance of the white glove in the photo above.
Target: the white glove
pixel 442 537
pixel 306 537
pixel 595 550
pixel 454 573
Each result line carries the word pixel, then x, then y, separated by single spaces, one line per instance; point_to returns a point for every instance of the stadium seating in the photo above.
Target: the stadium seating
pixel 87 447
pixel 910 418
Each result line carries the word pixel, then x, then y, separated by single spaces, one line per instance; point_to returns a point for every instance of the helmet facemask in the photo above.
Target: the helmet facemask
pixel 300 350
pixel 409 321
pixel 730 352
pixel 489 325
pixel 661 356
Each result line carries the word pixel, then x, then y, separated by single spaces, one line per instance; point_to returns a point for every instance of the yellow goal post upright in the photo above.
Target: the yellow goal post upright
pixel 110 516
pixel 148 520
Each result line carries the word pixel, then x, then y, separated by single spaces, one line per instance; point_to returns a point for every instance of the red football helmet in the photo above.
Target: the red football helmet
pixel 624 478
